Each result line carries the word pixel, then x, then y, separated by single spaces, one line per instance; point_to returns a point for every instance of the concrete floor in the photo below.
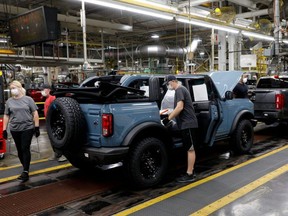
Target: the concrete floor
pixel 254 188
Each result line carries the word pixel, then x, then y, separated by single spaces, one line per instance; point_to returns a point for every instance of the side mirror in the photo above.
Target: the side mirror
pixel 228 95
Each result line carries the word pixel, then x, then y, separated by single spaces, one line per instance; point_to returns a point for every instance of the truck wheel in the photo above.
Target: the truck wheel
pixel 65 123
pixel 148 162
pixel 242 138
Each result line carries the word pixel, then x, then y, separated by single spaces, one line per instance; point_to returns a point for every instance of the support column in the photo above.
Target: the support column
pixel 234 51
pixel 239 53
pixel 222 48
pixel 83 25
pixel 212 66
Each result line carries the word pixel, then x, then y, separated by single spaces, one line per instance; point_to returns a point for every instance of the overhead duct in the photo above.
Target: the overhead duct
pixel 148 51
pixel 156 51
pixel 159 51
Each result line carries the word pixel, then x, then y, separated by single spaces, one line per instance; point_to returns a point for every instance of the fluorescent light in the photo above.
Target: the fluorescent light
pixel 223 28
pixel 124 7
pixel 155 36
pixel 158 5
pixel 285 41
pixel 209 25
pixel 259 36
pixel 3 40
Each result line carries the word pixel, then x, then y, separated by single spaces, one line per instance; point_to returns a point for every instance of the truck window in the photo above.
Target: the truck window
pixel 273 83
pixel 198 89
pixel 138 83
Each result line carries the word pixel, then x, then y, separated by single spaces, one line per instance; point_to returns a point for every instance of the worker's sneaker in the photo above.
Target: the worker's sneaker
pixel 186 178
pixel 24 176
pixel 62 159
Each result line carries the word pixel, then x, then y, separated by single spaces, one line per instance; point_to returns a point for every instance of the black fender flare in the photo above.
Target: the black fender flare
pixel 244 114
pixel 153 126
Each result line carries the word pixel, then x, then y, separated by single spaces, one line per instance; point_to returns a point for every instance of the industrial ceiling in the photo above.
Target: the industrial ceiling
pixel 111 29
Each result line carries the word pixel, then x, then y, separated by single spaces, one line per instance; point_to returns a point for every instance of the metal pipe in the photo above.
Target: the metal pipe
pixel 212 49
pixel 277 31
pixel 252 14
pixel 67 46
pixel 102 50
pixel 83 24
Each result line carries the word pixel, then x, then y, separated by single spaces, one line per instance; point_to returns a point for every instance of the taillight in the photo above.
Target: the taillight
pixel 107 125
pixel 279 101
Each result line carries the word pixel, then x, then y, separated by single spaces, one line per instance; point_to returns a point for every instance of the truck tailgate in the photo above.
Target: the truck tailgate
pixel 265 99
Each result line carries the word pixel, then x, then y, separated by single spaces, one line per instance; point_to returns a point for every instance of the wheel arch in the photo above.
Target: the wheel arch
pixel 244 114
pixel 147 129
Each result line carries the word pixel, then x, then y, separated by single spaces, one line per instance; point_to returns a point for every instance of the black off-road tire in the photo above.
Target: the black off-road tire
pixel 65 124
pixel 243 136
pixel 147 162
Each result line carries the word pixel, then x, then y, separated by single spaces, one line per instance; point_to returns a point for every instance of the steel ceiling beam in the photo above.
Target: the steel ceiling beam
pixel 196 3
pixel 245 3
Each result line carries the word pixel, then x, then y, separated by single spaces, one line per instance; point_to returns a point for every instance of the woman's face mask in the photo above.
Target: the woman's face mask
pixel 15 91
pixel 245 80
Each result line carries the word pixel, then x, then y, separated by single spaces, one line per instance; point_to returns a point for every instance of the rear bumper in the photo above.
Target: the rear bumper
pixel 104 156
pixel 269 116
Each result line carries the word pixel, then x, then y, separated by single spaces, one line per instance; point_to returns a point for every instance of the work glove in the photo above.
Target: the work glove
pixel 37 132
pixel 166 122
pixel 5 135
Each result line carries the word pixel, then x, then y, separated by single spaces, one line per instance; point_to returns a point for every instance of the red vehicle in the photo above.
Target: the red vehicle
pixel 2 107
pixel 35 94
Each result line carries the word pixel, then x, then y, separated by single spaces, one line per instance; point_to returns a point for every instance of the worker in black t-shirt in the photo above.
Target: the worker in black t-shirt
pixel 186 121
pixel 241 89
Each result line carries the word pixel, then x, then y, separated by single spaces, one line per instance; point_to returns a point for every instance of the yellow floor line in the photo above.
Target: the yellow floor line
pixel 218 204
pixel 194 184
pixel 19 165
pixel 54 168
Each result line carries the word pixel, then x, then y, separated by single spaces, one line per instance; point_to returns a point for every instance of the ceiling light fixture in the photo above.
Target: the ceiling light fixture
pixel 208 25
pixel 259 36
pixel 3 40
pixel 154 4
pixel 124 7
pixel 155 36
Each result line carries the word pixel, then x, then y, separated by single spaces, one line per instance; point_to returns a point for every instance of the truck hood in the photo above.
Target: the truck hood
pixel 225 80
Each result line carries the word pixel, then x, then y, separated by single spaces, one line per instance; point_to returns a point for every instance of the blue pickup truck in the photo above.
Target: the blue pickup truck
pixel 120 123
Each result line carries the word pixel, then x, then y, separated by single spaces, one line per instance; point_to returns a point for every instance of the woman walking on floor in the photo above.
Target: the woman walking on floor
pixel 22 115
